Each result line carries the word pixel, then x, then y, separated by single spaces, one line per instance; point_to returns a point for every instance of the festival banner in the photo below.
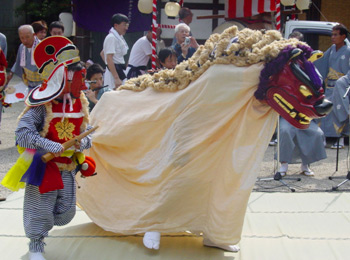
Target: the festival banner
pixel 247 8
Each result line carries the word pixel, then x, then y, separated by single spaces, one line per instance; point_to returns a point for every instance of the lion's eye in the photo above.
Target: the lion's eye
pixel 305 91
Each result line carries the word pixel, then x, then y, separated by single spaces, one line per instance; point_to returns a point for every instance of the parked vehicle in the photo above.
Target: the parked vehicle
pixel 316 33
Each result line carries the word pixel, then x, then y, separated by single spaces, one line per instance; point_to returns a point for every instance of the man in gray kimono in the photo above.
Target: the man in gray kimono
pixel 305 145
pixel 340 99
pixel 332 66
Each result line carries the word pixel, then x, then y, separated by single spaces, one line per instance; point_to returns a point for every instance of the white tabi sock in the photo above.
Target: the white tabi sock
pixel 284 167
pixel 151 240
pixel 36 256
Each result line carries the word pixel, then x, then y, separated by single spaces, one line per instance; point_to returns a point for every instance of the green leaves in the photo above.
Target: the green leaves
pixel 47 10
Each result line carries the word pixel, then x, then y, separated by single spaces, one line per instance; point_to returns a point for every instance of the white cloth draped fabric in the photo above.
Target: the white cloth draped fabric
pixel 177 161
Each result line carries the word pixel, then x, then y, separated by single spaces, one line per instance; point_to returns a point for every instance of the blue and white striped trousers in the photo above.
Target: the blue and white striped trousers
pixel 43 211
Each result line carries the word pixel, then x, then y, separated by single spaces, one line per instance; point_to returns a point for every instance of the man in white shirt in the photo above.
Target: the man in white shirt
pixel 114 49
pixel 140 54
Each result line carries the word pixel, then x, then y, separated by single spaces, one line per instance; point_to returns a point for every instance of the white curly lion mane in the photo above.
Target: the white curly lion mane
pixel 251 47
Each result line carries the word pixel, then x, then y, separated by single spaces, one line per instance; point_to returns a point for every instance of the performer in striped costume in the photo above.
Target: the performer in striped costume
pixel 56 111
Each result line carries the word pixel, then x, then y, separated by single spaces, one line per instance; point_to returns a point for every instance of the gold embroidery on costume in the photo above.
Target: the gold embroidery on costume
pixel 333 74
pixel 49 115
pixel 339 129
pixel 65 129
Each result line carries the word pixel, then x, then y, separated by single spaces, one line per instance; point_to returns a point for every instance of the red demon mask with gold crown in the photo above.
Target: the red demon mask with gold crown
pixel 292 86
pixel 56 58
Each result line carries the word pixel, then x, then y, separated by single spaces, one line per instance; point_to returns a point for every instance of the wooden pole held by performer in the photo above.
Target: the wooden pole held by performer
pixel 49 156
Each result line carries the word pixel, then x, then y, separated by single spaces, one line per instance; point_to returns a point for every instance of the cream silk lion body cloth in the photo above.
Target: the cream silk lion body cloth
pixel 185 158
pixel 179 161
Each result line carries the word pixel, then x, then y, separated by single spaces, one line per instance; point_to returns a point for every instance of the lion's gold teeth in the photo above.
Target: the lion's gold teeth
pixel 288 107
pixel 305 91
pixel 283 103
pixel 303 119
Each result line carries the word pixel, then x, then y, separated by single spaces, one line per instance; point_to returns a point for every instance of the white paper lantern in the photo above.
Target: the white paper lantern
pixel 172 9
pixel 302 4
pixel 145 6
pixel 67 20
pixel 288 2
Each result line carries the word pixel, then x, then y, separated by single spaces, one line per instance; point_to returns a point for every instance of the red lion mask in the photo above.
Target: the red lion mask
pixel 291 85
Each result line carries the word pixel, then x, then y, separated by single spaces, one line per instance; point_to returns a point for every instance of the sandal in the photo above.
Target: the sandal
pixel 283 174
pixel 335 146
pixel 273 142
pixel 308 173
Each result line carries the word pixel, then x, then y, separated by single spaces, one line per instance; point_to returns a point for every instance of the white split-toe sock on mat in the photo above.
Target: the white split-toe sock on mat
pixel 36 256
pixel 231 248
pixel 151 240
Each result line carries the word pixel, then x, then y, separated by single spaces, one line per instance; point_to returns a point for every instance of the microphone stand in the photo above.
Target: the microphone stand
pixel 346 92
pixel 336 169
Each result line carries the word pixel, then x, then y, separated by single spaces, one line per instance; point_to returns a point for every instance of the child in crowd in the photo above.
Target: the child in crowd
pixel 167 58
pixel 95 76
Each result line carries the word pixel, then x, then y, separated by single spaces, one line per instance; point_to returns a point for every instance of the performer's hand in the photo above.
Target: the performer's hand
pixel 77 144
pixel 58 154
